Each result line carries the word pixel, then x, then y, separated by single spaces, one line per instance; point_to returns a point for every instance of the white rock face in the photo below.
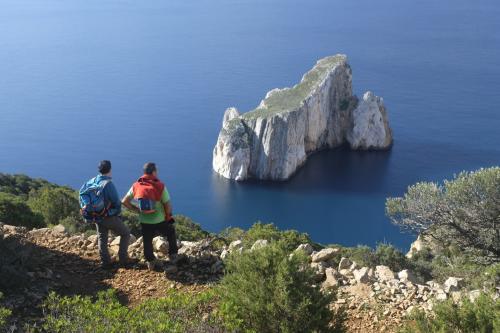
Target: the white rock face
pixel 274 140
pixel 370 128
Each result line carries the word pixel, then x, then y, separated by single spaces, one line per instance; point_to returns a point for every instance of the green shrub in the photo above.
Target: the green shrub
pixel 4 314
pixel 54 203
pixel 177 312
pixel 290 238
pixel 384 254
pixel 131 220
pixel 75 225
pixel 20 185
pixel 267 290
pixel 188 230
pixel 15 211
pixel 481 316
pixel 232 233
pixel 388 255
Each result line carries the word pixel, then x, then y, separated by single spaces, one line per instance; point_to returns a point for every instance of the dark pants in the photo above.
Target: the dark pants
pixel 165 229
pixel 115 224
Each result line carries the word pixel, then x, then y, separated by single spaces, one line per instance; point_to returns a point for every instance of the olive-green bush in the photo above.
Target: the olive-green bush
pixel 481 316
pixel 289 238
pixel 267 290
pixel 176 312
pixel 54 203
pixel 15 211
pixel 4 315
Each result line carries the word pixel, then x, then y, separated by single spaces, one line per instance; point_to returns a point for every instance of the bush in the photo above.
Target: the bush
pixel 464 211
pixel 232 233
pixel 20 185
pixel 75 225
pixel 289 238
pixel 177 312
pixel 187 230
pixel 267 290
pixel 4 314
pixel 15 211
pixel 384 254
pixel 131 220
pixel 481 316
pixel 54 203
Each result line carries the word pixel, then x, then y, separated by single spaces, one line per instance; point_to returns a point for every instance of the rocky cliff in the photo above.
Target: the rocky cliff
pixel 274 140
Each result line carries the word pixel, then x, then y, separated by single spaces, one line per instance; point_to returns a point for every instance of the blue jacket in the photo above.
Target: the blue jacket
pixel 110 196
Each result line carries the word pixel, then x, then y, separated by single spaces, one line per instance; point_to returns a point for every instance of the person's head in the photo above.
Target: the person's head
pixel 150 169
pixel 104 168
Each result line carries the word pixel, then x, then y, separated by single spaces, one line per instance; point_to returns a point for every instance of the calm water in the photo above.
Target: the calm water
pixel 133 81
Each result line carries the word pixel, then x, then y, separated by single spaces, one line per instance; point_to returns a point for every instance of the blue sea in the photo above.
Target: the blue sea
pixel 137 81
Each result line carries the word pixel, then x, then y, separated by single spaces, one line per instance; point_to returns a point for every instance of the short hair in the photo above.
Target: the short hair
pixel 104 167
pixel 149 168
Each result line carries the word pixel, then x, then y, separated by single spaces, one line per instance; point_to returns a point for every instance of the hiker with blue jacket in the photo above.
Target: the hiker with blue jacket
pixel 101 205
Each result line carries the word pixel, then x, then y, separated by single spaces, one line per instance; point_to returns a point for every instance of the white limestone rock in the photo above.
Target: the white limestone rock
pixel 274 140
pixel 259 244
pixel 344 263
pixel 323 255
pixel 407 276
pixel 306 248
pixel 384 273
pixel 331 280
pixel 453 284
pixel 363 275
pixel 370 128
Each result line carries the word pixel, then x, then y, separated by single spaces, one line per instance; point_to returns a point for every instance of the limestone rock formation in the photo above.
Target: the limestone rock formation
pixel 274 140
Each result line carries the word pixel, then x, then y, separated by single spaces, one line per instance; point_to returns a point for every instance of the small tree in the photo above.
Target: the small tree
pixel 465 211
pixel 15 211
pixel 267 290
pixel 54 203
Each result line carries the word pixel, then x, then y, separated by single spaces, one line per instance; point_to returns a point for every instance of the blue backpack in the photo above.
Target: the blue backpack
pixel 92 205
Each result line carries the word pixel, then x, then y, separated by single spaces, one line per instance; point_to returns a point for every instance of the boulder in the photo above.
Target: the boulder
pixel 407 276
pixel 160 245
pixel 319 268
pixel 362 275
pixel 453 284
pixel 384 273
pixel 39 232
pixel 259 244
pixel 235 245
pixel 306 248
pixel 344 263
pixel 331 280
pixel 323 255
pixel 59 229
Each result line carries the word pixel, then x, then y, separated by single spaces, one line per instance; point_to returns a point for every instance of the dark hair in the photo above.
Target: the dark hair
pixel 149 168
pixel 104 167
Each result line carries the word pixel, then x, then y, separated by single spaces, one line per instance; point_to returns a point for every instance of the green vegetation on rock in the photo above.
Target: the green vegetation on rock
pixel 480 316
pixel 289 99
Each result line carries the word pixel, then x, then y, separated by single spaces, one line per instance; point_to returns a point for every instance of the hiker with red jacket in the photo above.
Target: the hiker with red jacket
pixel 155 213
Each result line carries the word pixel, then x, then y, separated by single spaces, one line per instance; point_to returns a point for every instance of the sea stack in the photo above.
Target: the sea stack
pixel 272 141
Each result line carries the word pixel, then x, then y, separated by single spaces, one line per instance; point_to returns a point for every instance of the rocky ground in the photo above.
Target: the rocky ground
pixel 38 261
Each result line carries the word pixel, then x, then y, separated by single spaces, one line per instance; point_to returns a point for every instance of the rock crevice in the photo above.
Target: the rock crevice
pixel 274 140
